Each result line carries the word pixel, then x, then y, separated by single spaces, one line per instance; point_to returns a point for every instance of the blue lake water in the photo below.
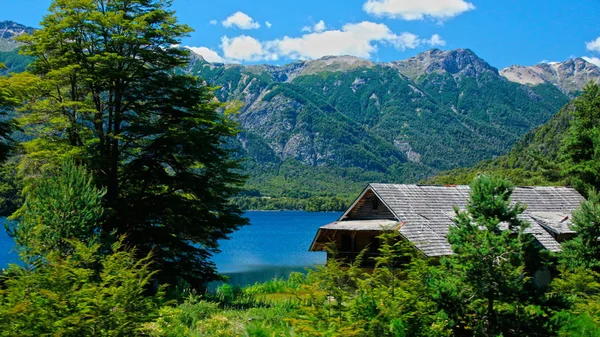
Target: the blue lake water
pixel 273 245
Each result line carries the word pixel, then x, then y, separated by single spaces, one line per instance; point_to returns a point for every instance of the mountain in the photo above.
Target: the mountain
pixel 9 54
pixel 327 126
pixel 531 161
pixel 10 30
pixel 458 63
pixel 570 76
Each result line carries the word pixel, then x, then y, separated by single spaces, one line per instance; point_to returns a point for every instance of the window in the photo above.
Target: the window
pixel 346 243
pixel 375 203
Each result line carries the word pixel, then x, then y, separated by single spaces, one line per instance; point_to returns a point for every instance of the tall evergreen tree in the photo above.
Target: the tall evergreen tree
pixel 110 92
pixel 581 146
pixel 61 206
pixel 584 250
pixel 490 263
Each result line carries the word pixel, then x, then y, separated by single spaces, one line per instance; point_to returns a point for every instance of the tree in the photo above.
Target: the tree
pixel 7 104
pixel 60 206
pixel 581 146
pixel 490 263
pixel 82 294
pixel 111 92
pixel 579 279
pixel 584 250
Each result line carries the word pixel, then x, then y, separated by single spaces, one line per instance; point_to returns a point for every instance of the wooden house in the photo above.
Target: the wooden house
pixel 423 214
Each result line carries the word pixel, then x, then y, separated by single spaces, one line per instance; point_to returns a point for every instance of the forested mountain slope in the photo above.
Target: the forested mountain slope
pixel 328 126
pixel 532 161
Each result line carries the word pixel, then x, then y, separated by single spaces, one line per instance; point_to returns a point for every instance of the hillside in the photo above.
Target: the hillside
pixel 9 54
pixel 532 160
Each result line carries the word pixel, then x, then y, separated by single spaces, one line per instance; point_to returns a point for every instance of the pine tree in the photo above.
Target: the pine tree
pixel 111 92
pixel 581 146
pixel 60 206
pixel 490 262
pixel 584 250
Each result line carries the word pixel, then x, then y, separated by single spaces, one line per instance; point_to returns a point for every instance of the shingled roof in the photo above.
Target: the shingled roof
pixel 425 213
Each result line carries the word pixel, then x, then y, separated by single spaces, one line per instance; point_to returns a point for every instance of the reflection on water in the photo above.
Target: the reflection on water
pixel 273 245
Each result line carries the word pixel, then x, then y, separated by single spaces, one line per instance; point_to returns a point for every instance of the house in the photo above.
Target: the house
pixel 423 214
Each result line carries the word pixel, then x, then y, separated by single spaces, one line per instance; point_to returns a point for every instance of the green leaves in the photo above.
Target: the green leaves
pixel 581 146
pixel 584 249
pixel 84 293
pixel 60 206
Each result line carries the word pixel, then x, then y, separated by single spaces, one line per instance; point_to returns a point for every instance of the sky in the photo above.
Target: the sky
pixel 502 32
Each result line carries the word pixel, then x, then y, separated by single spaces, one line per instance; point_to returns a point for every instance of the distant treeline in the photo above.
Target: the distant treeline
pixel 311 204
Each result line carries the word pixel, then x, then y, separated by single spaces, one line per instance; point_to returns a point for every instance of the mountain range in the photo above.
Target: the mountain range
pixel 332 124
pixel 328 126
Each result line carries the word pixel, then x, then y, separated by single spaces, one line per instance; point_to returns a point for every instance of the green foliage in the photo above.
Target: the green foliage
pixel 389 301
pixel 581 148
pixel 8 102
pixel 107 90
pixel 489 266
pixel 579 281
pixel 59 206
pixel 11 186
pixel 82 294
pixel 14 62
pixel 584 249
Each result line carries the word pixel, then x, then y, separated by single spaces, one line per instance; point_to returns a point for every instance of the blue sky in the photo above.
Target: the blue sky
pixel 503 32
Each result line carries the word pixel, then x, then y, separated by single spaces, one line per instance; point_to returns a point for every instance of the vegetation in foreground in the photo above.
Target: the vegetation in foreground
pixel 490 287
pixel 106 251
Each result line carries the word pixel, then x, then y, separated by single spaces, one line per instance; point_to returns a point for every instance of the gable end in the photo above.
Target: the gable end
pixel 368 207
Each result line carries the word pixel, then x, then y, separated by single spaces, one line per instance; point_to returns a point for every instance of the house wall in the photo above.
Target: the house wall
pixel 350 243
pixel 363 210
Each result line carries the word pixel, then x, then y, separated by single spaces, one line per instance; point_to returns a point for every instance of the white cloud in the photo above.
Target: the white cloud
pixel 268 24
pixel 550 62
pixel 317 28
pixel 208 54
pixel 593 45
pixel 593 60
pixel 417 10
pixel 213 22
pixel 435 40
pixel 246 48
pixel 358 39
pixel 241 20
pixel 320 26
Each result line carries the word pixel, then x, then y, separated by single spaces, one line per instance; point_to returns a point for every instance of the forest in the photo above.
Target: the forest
pixel 119 180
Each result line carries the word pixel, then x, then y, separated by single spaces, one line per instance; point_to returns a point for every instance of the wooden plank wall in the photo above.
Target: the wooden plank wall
pixel 363 210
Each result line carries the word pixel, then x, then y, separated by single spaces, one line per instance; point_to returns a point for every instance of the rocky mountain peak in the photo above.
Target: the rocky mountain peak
pixel 11 29
pixel 569 76
pixel 458 62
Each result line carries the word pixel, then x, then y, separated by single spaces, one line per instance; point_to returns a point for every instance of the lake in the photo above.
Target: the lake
pixel 273 245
